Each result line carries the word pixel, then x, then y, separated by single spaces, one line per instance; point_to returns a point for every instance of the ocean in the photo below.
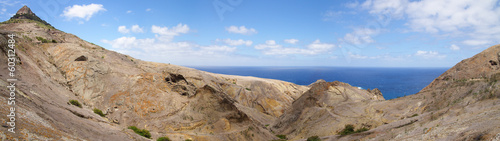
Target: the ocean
pixel 392 82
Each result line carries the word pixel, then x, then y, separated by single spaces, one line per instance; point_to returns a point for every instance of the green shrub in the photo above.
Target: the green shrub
pixel 54 41
pixel 163 139
pixel 41 39
pixel 313 138
pixel 31 17
pixel 188 140
pixel 75 102
pixel 27 38
pixel 143 132
pixel 362 130
pixel 281 136
pixel 414 115
pixel 99 112
pixel 348 129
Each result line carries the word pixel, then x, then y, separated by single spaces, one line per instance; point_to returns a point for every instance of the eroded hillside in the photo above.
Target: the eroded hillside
pixel 168 100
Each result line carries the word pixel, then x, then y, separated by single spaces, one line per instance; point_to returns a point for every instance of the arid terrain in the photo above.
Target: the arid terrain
pixel 54 67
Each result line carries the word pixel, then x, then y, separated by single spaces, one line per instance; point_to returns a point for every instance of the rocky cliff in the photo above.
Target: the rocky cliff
pixel 53 67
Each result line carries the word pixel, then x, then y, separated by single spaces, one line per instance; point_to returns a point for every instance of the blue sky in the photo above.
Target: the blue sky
pixel 364 33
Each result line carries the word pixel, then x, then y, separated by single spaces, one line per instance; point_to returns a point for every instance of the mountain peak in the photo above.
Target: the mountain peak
pixel 26 13
pixel 24 10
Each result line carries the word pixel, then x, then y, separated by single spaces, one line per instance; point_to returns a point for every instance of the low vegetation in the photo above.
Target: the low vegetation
pixel 42 39
pixel 349 129
pixel 27 38
pixel 163 139
pixel 31 17
pixel 414 115
pixel 314 138
pixel 75 102
pixel 142 132
pixel 281 137
pixel 99 112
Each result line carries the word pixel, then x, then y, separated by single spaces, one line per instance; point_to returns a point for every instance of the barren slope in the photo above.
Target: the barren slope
pixel 165 99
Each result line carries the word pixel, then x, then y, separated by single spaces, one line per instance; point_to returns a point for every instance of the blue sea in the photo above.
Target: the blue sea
pixel 392 82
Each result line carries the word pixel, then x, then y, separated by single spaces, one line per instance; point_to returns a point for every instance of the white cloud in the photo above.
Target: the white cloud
pixel 454 47
pixel 476 20
pixel 358 56
pixel 127 42
pixel 241 30
pixel 474 42
pixel 352 4
pixel 158 47
pixel 316 47
pixel 123 29
pixel 166 34
pixel 429 54
pixel 215 49
pixel 332 15
pixel 396 8
pixel 235 42
pixel 82 11
pixel 174 31
pixel 129 11
pixel 291 41
pixel 149 9
pixel 360 36
pixel 270 44
pixel 137 29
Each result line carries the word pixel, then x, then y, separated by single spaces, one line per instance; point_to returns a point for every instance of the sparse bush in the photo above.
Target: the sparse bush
pixel 314 138
pixel 414 115
pixel 54 41
pixel 349 129
pixel 41 39
pixel 163 139
pixel 75 102
pixel 281 136
pixel 361 130
pixel 99 112
pixel 31 17
pixel 248 89
pixel 27 38
pixel 143 132
pixel 188 140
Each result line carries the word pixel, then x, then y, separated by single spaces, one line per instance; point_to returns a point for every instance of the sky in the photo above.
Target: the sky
pixel 355 33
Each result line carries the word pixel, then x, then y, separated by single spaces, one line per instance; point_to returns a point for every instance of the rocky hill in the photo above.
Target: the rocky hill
pixel 54 69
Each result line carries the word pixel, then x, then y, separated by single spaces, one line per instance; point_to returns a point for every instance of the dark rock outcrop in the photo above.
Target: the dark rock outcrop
pixel 174 78
pixel 81 58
